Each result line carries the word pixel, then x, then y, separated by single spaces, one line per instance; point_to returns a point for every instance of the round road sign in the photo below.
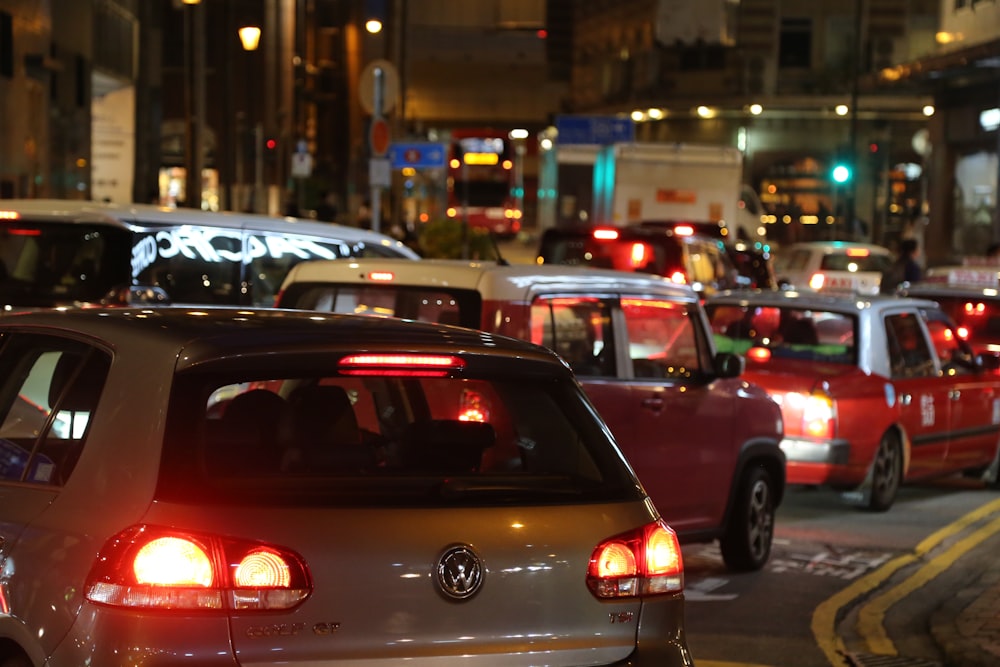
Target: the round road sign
pixel 390 87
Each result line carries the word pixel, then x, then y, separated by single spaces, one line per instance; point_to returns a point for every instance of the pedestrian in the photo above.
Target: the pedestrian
pixel 327 209
pixel 905 269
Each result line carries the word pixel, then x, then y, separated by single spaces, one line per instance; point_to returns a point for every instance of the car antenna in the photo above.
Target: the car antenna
pixel 496 248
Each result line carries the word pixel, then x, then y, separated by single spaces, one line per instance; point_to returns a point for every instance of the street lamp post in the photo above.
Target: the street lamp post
pixel 250 39
pixel 194 85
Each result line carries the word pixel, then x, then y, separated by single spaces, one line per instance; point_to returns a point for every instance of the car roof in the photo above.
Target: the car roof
pixel 833 301
pixel 934 290
pixel 91 212
pixel 493 280
pixel 195 335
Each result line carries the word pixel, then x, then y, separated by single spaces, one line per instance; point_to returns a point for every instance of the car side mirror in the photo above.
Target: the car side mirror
pixel 728 365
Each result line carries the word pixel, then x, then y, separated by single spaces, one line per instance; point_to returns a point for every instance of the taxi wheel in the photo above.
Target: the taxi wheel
pixel 887 473
pixel 746 545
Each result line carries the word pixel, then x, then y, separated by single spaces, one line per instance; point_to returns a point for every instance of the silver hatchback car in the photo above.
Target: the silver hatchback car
pixel 230 487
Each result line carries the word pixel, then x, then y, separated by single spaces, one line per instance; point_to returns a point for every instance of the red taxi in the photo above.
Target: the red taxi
pixel 704 442
pixel 971 296
pixel 874 391
pixel 683 252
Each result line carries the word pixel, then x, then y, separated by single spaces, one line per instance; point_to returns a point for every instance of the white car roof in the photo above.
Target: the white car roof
pixel 128 215
pixel 491 280
pixel 832 301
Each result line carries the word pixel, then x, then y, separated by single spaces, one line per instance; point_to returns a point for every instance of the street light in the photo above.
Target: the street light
pixel 249 37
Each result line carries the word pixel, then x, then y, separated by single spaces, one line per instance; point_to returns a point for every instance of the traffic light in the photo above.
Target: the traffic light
pixel 270 149
pixel 841 172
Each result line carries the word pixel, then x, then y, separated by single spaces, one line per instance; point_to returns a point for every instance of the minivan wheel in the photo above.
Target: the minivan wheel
pixel 746 544
pixel 887 473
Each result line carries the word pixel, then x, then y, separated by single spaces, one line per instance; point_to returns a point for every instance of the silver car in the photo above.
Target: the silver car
pixel 229 487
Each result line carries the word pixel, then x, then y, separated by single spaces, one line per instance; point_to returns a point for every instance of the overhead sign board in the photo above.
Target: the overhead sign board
pixel 418 155
pixel 599 130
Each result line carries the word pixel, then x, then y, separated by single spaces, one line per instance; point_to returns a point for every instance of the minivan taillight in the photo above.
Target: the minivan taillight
pixel 645 561
pixel 151 567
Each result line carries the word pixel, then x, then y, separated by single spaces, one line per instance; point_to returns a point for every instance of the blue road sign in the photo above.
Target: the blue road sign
pixel 418 155
pixel 598 130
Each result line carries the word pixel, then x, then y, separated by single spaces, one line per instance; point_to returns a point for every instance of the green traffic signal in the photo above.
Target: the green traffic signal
pixel 841 173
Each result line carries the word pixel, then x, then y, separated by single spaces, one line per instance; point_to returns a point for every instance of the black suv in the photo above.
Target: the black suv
pixel 682 252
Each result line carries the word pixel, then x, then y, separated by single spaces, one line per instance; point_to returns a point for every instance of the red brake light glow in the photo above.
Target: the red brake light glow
pixel 382 276
pixel 24 232
pixel 148 567
pixel 974 308
pixel 638 256
pixel 684 230
pixel 963 332
pixel 646 561
pixel 9 215
pixel 678 277
pixel 760 354
pixel 418 365
pixel 605 234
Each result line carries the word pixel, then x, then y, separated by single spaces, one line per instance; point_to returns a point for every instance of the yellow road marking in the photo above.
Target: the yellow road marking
pixel 824 619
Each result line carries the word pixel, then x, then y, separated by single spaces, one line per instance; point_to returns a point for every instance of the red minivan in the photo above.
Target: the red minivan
pixel 704 442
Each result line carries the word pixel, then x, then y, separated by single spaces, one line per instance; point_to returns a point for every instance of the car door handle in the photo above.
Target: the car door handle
pixel 654 404
pixel 905 399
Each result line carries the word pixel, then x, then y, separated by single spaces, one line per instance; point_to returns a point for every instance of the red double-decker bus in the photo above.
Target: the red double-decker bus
pixel 481 181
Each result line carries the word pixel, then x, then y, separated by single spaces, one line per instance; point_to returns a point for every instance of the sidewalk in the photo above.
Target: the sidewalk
pixel 967 626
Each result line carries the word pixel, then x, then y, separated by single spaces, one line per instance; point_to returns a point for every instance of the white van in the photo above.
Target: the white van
pixel 57 253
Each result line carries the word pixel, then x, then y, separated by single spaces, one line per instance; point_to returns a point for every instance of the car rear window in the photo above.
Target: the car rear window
pixel 657 255
pixel 427 304
pixel 788 333
pixel 376 440
pixel 843 261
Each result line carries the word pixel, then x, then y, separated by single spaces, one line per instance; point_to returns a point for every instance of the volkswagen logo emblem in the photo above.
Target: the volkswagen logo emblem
pixel 459 573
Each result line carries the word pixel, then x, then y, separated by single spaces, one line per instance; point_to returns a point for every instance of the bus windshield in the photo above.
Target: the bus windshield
pixel 53 264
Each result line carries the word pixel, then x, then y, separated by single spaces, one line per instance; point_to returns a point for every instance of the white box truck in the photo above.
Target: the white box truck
pixel 638 182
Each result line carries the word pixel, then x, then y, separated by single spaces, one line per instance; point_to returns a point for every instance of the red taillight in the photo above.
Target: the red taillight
pixel 9 215
pixel 678 277
pixel 148 567
pixel 684 230
pixel 605 234
pixel 24 232
pixel 381 276
pixel 418 365
pixel 646 561
pixel 975 309
pixel 760 354
pixel 963 333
